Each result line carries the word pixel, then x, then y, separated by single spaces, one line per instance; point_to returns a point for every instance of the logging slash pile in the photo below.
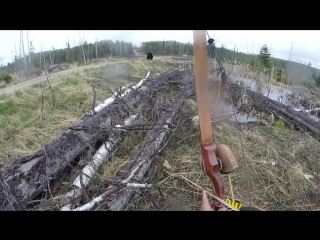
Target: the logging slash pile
pixel 142 152
pixel 31 181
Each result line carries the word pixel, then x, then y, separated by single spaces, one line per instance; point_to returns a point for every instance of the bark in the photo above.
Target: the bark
pixel 299 120
pixel 28 177
pixel 104 152
pixel 31 176
pixel 143 158
pixel 110 100
pixel 138 166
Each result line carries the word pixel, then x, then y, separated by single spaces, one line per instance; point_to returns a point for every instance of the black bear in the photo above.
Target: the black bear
pixel 149 56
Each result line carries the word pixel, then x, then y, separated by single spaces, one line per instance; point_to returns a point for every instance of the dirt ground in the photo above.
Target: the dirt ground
pixel 30 82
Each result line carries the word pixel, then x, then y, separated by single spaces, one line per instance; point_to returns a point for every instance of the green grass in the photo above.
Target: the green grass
pixel 280 126
pixel 37 85
pixel 8 107
pixel 5 122
pixel 66 80
pixel 25 116
pixel 21 111
pixel 102 75
pixel 18 93
pixel 56 88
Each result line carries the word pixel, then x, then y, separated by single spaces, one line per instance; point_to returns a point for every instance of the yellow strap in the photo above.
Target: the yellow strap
pixel 234 204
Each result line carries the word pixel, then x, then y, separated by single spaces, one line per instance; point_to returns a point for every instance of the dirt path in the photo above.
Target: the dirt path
pixel 138 52
pixel 28 83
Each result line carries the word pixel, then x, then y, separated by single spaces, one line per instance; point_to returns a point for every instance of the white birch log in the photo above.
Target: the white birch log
pixel 92 167
pixel 139 171
pixel 111 99
pixel 308 110
pixel 102 197
pixel 142 161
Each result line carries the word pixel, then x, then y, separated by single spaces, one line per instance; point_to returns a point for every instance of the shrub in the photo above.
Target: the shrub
pixel 281 76
pixel 5 77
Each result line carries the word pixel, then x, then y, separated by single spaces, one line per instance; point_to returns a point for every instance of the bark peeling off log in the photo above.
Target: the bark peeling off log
pixel 31 174
pixel 103 153
pixel 143 157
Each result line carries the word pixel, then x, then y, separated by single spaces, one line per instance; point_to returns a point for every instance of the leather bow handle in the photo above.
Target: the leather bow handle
pixel 212 168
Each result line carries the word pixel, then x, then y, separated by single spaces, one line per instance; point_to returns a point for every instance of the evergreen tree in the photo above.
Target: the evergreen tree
pixel 264 57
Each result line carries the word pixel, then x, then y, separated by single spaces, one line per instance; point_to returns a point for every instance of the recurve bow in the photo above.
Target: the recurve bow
pixel 210 164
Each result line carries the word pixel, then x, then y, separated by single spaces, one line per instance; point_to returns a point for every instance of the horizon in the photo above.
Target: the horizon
pixel 304 43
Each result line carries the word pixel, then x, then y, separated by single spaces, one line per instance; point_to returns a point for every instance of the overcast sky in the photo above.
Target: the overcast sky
pixel 306 44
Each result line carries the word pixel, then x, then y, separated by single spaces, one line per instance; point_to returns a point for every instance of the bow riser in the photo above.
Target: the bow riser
pixel 212 168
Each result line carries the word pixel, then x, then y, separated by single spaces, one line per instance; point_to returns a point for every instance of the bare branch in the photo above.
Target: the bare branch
pixel 148 194
pixel 48 181
pixel 94 97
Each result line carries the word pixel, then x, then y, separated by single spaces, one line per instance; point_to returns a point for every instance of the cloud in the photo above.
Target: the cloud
pixel 305 43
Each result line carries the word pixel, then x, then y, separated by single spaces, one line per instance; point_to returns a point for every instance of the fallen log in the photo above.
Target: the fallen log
pixel 30 176
pixel 104 152
pixel 139 165
pixel 261 103
pixel 312 111
pixel 114 97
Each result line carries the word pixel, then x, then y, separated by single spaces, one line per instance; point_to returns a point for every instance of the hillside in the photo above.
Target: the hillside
pixel 297 73
pixel 36 61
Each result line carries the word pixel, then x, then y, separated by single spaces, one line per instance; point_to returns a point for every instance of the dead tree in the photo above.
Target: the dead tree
pixel 298 120
pixel 31 176
pixel 117 196
pixel 135 171
pixel 28 47
pixel 24 55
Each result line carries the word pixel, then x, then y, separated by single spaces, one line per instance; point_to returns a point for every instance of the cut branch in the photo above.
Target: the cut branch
pixel 140 163
pixel 27 176
pixel 94 97
pixel 104 152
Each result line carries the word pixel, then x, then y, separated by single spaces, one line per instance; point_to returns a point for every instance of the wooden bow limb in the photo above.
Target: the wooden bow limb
pixel 210 163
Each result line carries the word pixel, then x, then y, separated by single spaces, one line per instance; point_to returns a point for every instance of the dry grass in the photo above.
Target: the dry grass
pixel 22 115
pixel 15 80
pixel 278 167
pixel 141 67
pixel 238 72
pixel 126 151
pixel 279 161
pixel 21 126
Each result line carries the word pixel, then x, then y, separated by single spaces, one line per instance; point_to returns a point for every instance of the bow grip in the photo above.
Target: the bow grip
pixel 212 168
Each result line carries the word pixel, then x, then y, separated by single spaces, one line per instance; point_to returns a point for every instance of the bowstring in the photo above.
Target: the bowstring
pixel 211 44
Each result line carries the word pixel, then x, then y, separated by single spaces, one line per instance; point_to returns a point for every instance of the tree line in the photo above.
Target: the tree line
pixel 261 62
pixel 82 53
pixel 85 52
pixel 177 48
